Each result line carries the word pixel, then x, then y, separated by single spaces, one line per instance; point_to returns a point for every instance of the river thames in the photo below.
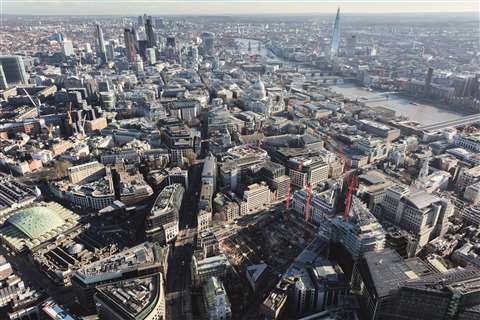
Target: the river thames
pixel 413 110
pixel 416 111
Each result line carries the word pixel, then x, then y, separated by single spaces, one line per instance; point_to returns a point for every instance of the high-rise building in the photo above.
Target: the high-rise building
pixel 130 44
pixel 171 42
pixel 151 56
pixel 67 47
pixel 14 69
pixel 351 44
pixel 110 47
pixel 3 79
pixel 151 36
pixel 208 43
pixel 102 52
pixel 139 64
pixel 335 36
pixel 140 21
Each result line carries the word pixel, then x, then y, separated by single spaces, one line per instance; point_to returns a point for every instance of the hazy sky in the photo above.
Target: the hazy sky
pixel 175 7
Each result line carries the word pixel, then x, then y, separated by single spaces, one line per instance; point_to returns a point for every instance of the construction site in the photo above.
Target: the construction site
pixel 274 238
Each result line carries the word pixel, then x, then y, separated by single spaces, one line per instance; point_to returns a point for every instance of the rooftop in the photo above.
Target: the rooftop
pixel 145 254
pixel 36 221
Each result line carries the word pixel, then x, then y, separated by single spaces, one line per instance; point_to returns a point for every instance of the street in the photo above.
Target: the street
pixel 178 298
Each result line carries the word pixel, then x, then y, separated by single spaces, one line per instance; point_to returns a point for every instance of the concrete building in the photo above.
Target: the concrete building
pixel 372 186
pixel 375 149
pixel 359 234
pixel 86 171
pixel 472 193
pixel 257 197
pixel 377 277
pixel 225 208
pixel 416 211
pixel 273 307
pixel 138 262
pixel 318 283
pixel 322 203
pixel 203 269
pixel 469 142
pixel 305 171
pixel 132 299
pixel 467 177
pixel 162 222
pixel 379 129
pixel 182 142
pixel 215 300
pixel 471 215
pixel 448 295
pixel 14 70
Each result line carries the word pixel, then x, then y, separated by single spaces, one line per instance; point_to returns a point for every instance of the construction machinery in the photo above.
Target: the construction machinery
pixel 307 204
pixel 287 202
pixel 352 188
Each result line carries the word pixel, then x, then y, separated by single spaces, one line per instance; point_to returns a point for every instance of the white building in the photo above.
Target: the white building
pixel 257 197
pixel 322 203
pixel 216 302
pixel 360 233
pixel 305 171
pixel 416 211
pixel 472 193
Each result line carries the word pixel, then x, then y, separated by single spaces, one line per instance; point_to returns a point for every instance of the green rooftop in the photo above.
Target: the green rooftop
pixel 36 221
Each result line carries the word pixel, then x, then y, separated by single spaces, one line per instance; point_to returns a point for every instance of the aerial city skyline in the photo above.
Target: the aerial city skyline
pixel 190 160
pixel 235 7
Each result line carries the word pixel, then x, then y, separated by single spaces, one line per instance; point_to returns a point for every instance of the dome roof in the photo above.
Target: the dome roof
pixel 258 85
pixel 258 89
pixel 36 221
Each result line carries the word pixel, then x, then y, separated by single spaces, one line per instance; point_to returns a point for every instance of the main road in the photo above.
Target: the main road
pixel 179 304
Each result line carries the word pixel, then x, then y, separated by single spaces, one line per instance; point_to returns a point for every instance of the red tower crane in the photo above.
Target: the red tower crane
pixel 307 204
pixel 287 203
pixel 352 187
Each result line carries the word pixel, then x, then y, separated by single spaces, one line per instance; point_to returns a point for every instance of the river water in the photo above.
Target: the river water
pixel 416 111
pixel 420 112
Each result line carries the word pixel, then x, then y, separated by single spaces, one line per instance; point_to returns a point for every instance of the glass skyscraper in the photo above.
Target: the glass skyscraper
pixel 335 36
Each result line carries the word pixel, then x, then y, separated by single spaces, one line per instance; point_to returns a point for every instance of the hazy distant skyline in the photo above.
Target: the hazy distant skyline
pixel 230 7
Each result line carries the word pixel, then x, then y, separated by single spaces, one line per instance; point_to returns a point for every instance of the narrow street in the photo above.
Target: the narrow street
pixel 179 273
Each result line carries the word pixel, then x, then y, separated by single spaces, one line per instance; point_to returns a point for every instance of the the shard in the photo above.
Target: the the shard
pixel 335 36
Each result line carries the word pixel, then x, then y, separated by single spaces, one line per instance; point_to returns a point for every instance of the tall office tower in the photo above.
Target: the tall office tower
pixel 208 43
pixel 151 56
pixel 351 44
pixel 151 37
pixel 335 36
pixel 3 79
pixel 130 47
pixel 110 47
pixel 139 64
pixel 102 52
pixel 67 47
pixel 14 69
pixel 428 81
pixel 171 42
pixel 88 48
